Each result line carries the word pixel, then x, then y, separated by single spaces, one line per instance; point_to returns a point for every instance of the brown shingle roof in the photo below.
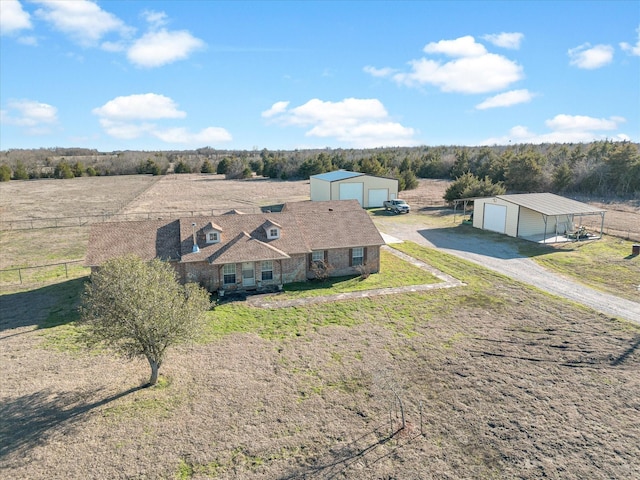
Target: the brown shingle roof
pixel 147 239
pixel 304 226
pixel 291 239
pixel 244 248
pixel 309 206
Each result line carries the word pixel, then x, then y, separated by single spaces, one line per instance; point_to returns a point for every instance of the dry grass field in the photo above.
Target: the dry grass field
pixel 497 380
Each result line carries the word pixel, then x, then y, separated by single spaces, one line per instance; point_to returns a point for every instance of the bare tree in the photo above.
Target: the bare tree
pixel 140 310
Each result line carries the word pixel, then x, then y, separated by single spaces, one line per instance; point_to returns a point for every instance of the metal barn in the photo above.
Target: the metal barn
pixel 539 217
pixel 369 190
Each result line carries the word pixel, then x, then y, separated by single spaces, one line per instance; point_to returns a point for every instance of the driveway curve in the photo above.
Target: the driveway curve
pixel 505 259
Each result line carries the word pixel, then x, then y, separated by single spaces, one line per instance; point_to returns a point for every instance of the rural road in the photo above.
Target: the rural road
pixel 504 258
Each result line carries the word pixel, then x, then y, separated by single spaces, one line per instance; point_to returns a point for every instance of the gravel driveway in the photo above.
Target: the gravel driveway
pixel 505 259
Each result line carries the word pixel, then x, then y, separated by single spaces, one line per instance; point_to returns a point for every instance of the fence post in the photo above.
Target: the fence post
pixel 20 276
pixel 66 271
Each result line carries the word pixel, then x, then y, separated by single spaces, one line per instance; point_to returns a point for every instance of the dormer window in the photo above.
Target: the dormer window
pixel 272 229
pixel 213 233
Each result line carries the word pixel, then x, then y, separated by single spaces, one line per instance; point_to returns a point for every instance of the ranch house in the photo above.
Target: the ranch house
pixel 240 252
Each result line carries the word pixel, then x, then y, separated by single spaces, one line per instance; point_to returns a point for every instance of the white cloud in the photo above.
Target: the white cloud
pixel 35 117
pixel 207 136
pixel 141 106
pixel 130 117
pixel 565 129
pixel 83 20
pixel 29 113
pixel 588 57
pixel 379 72
pixel 460 47
pixel 506 99
pixel 88 24
pixel 573 123
pixel 159 48
pixel 632 49
pixel 155 19
pixel 276 108
pixel 13 18
pixel 505 40
pixel 481 74
pixel 472 69
pixel 29 40
pixel 361 123
pixel 126 130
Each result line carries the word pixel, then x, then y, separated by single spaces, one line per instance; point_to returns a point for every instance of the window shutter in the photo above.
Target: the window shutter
pixel 364 255
pixel 326 257
pixel 310 259
pixel 351 257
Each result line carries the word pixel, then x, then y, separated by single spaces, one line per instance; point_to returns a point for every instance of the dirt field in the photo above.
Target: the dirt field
pixel 497 380
pixel 135 196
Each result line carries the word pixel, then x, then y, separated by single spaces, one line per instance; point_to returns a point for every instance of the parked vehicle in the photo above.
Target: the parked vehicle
pixel 397 206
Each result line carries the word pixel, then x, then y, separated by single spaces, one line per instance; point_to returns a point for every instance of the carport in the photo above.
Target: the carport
pixel 538 217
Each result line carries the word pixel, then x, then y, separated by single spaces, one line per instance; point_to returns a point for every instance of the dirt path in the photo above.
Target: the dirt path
pixel 504 258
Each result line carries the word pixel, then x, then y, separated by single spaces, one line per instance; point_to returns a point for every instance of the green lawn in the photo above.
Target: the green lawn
pixel 604 264
pixel 394 272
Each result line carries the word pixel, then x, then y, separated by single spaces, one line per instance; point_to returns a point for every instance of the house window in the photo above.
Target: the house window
pixel 357 256
pixel 273 233
pixel 213 237
pixel 317 256
pixel 267 270
pixel 229 272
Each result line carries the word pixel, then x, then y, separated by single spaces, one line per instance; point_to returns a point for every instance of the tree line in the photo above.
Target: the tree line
pixel 604 168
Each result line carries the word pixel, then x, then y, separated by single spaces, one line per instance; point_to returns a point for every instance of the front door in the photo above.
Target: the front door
pixel 248 275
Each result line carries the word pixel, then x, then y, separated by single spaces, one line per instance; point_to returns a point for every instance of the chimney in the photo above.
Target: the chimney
pixel 195 242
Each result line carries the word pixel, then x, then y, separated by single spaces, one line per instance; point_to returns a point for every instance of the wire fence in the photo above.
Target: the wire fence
pixel 78 221
pixel 38 274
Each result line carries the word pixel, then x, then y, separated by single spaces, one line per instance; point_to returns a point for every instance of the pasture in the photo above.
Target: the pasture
pixel 496 379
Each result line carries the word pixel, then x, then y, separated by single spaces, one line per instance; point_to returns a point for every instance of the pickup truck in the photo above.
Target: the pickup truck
pixel 397 206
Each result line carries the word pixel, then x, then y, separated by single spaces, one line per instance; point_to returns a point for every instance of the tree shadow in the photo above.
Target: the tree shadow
pixel 29 420
pixel 337 462
pixel 627 353
pixel 44 307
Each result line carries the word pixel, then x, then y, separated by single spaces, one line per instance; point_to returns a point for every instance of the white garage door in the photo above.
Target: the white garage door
pixel 377 196
pixel 352 191
pixel 495 217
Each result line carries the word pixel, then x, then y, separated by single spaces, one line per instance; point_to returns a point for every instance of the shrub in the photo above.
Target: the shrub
pixel 206 167
pixel 468 186
pixel 20 172
pixel 321 270
pixel 364 270
pixel 149 167
pixel 63 170
pixel 78 169
pixel 182 167
pixel 5 173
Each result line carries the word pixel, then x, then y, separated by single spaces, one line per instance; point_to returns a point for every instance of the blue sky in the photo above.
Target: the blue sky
pixel 161 75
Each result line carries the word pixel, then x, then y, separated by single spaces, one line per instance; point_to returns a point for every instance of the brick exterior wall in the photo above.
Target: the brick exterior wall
pixel 294 269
